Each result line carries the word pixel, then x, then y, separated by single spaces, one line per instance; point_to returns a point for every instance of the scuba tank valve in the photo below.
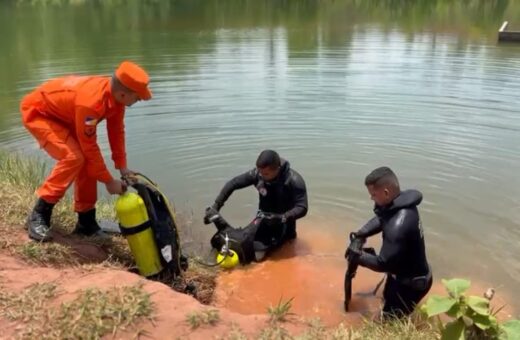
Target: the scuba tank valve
pixel 227 258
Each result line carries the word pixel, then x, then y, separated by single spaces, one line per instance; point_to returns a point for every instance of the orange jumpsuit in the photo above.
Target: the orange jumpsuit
pixel 62 114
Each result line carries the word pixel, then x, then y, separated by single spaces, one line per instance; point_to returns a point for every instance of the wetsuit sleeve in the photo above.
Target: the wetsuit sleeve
pixel 86 123
pixel 371 228
pixel 300 201
pixel 394 245
pixel 116 138
pixel 239 182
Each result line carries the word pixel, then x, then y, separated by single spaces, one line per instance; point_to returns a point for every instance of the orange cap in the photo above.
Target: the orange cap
pixel 134 78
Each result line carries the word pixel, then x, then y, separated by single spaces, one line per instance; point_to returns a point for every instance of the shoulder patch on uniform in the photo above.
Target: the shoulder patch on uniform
pixel 90 126
pixel 90 121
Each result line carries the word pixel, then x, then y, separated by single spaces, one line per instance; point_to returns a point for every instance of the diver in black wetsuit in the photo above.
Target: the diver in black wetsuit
pixel 402 254
pixel 282 195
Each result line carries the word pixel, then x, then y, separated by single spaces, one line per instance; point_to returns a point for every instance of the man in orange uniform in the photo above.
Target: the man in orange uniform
pixel 62 114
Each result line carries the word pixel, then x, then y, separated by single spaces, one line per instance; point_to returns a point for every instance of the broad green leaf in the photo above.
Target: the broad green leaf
pixel 438 304
pixel 456 286
pixel 483 321
pixel 468 322
pixel 478 304
pixel 453 331
pixel 512 329
pixel 455 311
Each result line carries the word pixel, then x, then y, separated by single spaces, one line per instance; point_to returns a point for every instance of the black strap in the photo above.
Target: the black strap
pixel 134 230
pixel 407 281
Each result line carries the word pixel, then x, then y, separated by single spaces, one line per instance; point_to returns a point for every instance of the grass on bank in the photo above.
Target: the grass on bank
pixel 205 317
pixel 405 329
pixel 91 315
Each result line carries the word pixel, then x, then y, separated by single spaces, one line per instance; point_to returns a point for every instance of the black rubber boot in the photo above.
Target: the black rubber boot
pixel 38 223
pixel 87 224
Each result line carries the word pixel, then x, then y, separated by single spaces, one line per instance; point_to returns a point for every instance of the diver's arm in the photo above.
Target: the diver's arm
pixel 371 228
pixel 393 247
pixel 239 182
pixel 382 262
pixel 301 204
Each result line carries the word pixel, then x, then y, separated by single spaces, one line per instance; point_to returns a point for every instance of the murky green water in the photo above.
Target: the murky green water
pixel 338 87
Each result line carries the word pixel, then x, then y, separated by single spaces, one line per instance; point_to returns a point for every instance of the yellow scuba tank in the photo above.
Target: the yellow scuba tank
pixel 227 258
pixel 135 226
